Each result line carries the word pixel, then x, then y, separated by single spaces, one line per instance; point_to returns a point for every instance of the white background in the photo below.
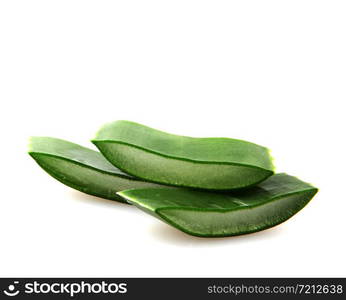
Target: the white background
pixel 271 72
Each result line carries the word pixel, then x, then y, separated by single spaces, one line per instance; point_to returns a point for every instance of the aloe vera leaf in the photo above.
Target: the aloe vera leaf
pixel 81 168
pixel 207 163
pixel 211 214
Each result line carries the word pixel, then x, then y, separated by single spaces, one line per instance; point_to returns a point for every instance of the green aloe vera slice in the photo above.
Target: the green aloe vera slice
pixel 207 163
pixel 81 168
pixel 211 214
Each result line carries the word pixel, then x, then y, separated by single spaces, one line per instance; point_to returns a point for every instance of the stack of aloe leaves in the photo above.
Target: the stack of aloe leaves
pixel 208 187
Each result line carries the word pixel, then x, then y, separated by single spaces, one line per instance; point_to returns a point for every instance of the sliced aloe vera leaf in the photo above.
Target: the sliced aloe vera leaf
pixel 81 168
pixel 210 214
pixel 207 163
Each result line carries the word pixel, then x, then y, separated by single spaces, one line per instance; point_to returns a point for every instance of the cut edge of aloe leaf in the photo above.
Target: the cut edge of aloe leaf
pixel 57 176
pixel 107 134
pixel 81 168
pixel 141 156
pixel 204 163
pixel 166 215
pixel 91 159
pixel 226 222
